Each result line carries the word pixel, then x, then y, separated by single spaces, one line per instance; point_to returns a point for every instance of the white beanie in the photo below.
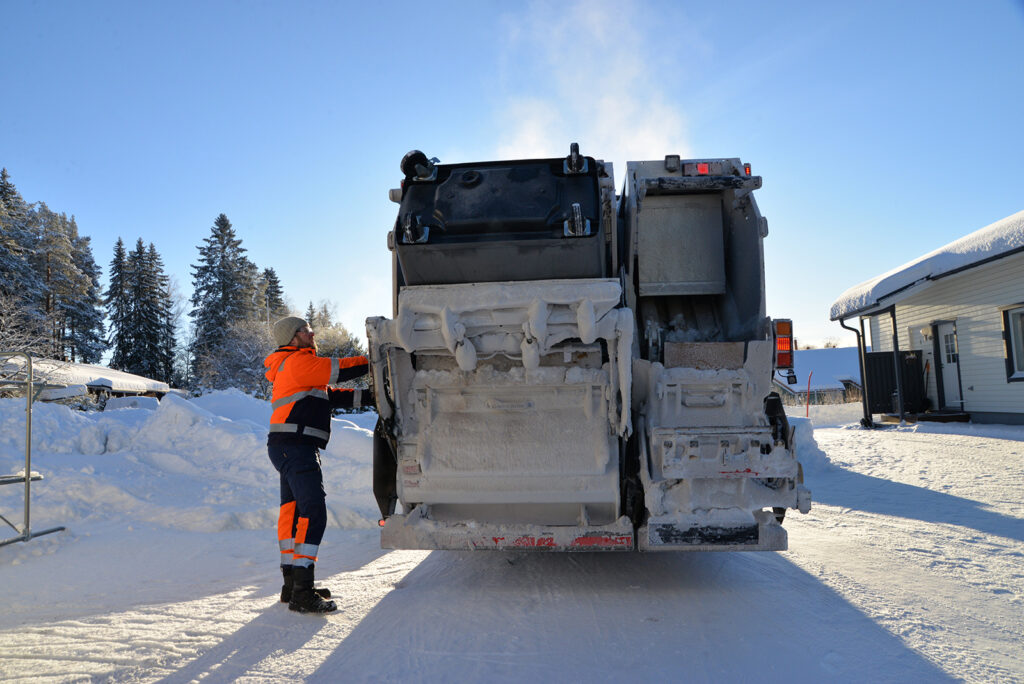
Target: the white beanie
pixel 285 329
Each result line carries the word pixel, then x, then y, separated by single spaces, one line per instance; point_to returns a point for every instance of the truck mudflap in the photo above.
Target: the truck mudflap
pixel 684 533
pixel 416 531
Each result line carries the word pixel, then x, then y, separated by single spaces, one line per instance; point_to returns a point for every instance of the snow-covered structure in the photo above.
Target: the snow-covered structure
pixel 63 379
pixel 830 376
pixel 953 321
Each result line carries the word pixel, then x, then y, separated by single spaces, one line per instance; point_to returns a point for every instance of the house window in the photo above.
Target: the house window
pixel 1014 319
pixel 949 347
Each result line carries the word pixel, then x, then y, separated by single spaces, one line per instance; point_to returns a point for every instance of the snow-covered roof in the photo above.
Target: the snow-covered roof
pixel 827 369
pixel 991 242
pixel 64 373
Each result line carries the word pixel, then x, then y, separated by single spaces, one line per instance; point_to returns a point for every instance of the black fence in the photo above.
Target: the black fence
pixel 881 382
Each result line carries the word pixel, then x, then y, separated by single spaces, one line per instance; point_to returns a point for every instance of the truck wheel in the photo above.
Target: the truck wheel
pixel 632 489
pixel 385 471
pixel 780 514
pixel 776 413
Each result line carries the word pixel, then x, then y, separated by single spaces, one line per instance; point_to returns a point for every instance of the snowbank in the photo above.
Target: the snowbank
pixel 114 403
pixel 830 415
pixel 234 404
pixel 189 465
pixel 812 459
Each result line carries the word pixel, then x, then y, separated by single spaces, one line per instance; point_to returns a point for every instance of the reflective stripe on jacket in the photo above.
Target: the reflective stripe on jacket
pixel 301 401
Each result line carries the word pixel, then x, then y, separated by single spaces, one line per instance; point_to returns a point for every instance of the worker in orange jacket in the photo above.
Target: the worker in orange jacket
pixel 300 426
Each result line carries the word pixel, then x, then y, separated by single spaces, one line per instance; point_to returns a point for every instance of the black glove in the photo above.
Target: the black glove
pixel 365 398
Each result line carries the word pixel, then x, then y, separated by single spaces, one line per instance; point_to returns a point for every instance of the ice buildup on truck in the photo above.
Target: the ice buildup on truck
pixel 566 368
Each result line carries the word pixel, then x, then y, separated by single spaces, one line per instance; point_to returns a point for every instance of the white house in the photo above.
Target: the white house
pixel 953 321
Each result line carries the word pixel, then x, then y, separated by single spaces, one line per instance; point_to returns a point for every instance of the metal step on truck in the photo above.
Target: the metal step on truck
pixel 570 369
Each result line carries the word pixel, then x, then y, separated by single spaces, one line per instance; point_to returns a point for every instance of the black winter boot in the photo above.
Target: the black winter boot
pixel 304 597
pixel 286 588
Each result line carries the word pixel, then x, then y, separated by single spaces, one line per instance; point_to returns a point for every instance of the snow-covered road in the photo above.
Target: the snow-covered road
pixel 922 529
pixel 908 568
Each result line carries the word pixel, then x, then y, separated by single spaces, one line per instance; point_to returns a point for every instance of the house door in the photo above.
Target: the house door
pixel 949 358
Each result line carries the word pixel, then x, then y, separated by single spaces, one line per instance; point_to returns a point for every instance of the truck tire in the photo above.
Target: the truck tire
pixel 385 471
pixel 630 486
pixel 776 413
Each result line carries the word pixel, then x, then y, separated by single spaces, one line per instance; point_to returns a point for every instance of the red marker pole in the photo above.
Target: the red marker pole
pixel 808 414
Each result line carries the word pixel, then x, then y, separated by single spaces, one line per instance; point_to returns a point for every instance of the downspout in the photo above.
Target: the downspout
pixel 896 359
pixel 866 420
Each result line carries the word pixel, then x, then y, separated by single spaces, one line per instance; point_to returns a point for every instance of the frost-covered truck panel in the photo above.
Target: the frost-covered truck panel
pixel 505 410
pixel 568 369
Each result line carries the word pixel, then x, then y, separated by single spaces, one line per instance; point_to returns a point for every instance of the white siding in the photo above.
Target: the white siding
pixel 974 299
pixel 881 333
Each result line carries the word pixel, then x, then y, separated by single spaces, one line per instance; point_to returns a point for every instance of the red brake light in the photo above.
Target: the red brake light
pixel 784 347
pixel 703 168
pixel 746 169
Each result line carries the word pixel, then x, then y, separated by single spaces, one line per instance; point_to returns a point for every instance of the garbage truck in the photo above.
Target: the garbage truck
pixel 568 368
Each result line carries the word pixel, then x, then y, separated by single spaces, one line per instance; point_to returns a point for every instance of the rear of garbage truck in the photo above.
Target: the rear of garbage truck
pixel 568 369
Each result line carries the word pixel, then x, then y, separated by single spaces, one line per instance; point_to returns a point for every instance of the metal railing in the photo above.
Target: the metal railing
pixel 27 477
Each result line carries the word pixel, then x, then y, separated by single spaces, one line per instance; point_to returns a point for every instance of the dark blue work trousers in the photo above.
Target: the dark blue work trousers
pixel 302 482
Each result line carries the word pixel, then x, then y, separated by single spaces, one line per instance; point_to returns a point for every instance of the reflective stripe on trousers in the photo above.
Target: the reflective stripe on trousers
pixel 287 547
pixel 305 554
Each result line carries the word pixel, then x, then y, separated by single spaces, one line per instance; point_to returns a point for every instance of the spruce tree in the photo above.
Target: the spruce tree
pixel 273 296
pixel 324 316
pixel 150 317
pixel 19 281
pixel 84 314
pixel 223 292
pixel 320 318
pixel 48 278
pixel 61 278
pixel 118 306
pixel 10 198
pixel 253 286
pixel 163 301
pixel 143 317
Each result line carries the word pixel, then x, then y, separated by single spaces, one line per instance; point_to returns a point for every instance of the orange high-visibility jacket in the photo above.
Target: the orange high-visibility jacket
pixel 301 401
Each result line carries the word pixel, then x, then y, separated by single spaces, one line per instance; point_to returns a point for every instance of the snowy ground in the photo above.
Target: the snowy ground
pixel 910 567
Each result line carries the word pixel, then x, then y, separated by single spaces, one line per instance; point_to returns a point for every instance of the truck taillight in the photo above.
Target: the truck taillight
pixel 783 343
pixel 703 168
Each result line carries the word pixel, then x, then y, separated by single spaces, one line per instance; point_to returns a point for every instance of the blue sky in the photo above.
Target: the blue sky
pixel 882 130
